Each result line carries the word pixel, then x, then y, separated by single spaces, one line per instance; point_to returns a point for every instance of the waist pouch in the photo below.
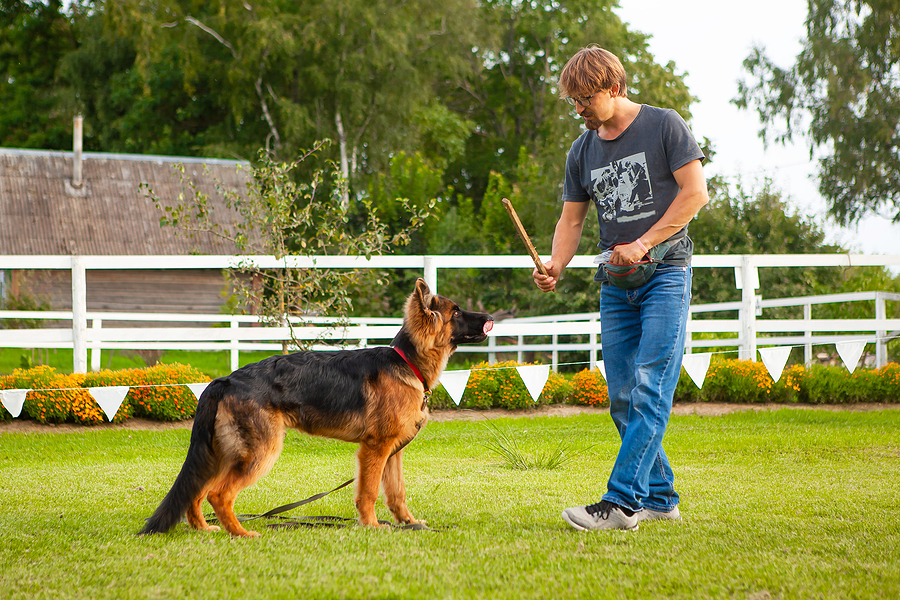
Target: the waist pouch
pixel 637 274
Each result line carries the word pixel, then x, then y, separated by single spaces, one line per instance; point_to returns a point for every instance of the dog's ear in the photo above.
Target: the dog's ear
pixel 425 299
pixel 423 292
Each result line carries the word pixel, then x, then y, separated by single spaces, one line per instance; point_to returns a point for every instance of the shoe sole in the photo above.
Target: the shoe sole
pixel 568 520
pixel 655 515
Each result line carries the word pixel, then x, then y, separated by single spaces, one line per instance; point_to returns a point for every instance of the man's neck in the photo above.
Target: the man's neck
pixel 624 115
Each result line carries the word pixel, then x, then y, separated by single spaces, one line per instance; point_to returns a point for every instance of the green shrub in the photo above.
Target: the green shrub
pixel 56 397
pixel 60 398
pixel 153 395
pixel 500 386
pixel 827 385
pixel 589 388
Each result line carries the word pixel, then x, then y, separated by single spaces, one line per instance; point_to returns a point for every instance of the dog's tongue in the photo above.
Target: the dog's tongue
pixel 488 325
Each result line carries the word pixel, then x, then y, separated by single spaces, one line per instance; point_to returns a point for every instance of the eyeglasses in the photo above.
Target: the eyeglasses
pixel 584 102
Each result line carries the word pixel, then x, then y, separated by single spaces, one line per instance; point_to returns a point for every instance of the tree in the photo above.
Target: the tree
pixel 281 215
pixel 287 72
pixel 843 94
pixel 34 36
pixel 740 221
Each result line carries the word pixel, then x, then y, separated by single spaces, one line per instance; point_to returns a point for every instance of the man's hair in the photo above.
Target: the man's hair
pixel 592 69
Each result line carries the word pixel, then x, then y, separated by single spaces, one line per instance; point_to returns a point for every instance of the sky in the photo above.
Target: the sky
pixel 708 40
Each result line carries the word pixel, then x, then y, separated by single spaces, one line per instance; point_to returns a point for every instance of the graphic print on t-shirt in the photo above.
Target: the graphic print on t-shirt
pixel 622 188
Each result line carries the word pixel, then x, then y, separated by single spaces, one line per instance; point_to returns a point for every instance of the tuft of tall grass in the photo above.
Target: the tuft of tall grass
pixel 510 449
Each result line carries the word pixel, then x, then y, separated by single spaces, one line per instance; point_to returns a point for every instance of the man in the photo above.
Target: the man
pixel 641 167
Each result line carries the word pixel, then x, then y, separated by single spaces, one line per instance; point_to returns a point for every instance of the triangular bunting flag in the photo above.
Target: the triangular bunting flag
pixel 775 359
pixel 109 398
pixel 534 377
pixel 13 400
pixel 455 383
pixel 602 368
pixel 696 366
pixel 197 388
pixel 850 353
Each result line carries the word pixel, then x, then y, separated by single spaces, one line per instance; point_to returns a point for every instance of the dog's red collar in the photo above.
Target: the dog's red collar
pixel 411 366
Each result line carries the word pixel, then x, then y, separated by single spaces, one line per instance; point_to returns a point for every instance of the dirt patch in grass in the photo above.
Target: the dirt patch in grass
pixel 704 409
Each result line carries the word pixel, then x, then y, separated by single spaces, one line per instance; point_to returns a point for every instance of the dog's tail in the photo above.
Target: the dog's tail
pixel 199 467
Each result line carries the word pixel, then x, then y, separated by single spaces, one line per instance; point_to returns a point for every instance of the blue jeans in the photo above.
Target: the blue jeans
pixel 642 335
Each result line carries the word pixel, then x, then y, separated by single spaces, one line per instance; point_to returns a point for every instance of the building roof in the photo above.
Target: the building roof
pixel 42 213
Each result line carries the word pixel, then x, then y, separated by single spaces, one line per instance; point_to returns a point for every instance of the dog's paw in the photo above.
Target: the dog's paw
pixel 250 534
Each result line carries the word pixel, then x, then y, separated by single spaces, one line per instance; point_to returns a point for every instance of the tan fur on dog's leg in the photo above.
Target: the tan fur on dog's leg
pixel 222 500
pixel 370 459
pixel 395 490
pixel 195 516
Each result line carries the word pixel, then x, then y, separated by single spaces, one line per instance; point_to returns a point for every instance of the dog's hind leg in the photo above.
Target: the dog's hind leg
pixel 222 500
pixel 195 516
pixel 371 459
pixel 395 489
pixel 251 453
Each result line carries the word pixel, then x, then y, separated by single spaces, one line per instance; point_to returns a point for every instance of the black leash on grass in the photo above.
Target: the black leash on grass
pixel 315 521
pixel 318 521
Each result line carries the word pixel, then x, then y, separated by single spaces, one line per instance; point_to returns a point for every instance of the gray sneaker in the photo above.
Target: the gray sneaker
pixel 603 515
pixel 648 514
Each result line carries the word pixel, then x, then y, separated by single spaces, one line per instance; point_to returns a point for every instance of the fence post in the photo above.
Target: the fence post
pixel 689 334
pixel 430 274
pixel 79 315
pixel 234 345
pixel 555 354
pixel 807 334
pixel 748 280
pixel 96 326
pixel 880 335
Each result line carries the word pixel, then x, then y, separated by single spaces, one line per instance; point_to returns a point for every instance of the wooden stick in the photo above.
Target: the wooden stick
pixel 522 234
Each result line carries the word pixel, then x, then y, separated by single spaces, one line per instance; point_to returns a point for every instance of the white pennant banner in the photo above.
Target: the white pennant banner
pixel 602 368
pixel 775 359
pixel 197 388
pixel 850 353
pixel 534 377
pixel 13 400
pixel 696 366
pixel 455 383
pixel 109 398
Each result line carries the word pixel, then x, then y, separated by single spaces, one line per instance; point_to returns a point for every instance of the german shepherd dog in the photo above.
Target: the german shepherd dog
pixel 372 396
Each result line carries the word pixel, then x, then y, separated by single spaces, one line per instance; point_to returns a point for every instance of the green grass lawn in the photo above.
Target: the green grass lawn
pixel 785 504
pixel 214 364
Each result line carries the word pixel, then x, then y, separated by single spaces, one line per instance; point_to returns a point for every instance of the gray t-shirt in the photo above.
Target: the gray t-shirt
pixel 630 179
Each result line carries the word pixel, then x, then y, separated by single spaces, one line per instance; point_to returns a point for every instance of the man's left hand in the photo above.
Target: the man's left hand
pixel 627 254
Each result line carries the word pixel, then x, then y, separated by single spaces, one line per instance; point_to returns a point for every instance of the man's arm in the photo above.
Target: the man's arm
pixel 565 244
pixel 692 197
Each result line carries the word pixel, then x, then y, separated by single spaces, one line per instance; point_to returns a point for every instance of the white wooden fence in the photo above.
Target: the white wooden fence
pixel 243 333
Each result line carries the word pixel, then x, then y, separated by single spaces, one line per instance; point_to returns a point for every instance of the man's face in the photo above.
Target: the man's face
pixel 600 109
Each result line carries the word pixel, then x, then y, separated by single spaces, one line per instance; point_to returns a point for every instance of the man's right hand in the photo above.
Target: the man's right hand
pixel 547 283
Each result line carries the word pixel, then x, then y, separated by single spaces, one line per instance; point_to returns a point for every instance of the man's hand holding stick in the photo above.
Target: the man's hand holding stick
pixel 528 245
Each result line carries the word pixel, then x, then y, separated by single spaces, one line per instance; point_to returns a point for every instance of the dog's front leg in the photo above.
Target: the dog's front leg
pixel 371 459
pixel 395 489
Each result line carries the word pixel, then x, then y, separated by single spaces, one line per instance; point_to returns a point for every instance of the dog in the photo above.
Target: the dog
pixel 375 397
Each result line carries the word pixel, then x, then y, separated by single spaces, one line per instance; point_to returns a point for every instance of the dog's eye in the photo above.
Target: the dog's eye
pixel 457 313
